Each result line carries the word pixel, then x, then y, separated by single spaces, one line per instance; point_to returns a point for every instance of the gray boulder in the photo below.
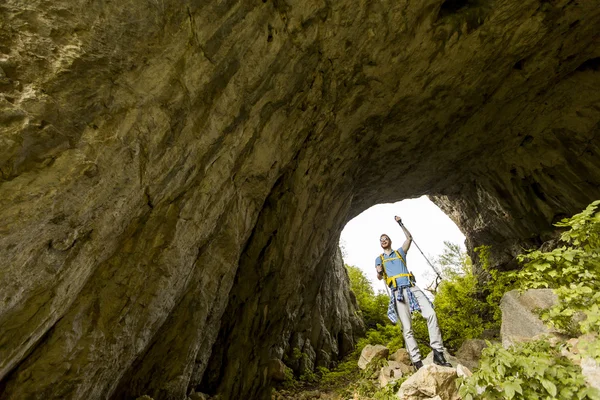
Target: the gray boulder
pixel 470 352
pixel 277 370
pixel 590 368
pixel 370 353
pixel 519 320
pixel 391 373
pixel 401 355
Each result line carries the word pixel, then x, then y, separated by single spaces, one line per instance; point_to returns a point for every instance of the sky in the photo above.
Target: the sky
pixel 429 226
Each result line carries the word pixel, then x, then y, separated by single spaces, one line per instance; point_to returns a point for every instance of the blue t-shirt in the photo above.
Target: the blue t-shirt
pixel 395 266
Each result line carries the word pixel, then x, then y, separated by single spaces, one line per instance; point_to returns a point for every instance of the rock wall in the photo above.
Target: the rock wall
pixel 174 175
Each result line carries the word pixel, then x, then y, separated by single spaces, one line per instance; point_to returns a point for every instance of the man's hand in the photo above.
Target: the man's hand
pixel 379 269
pixel 398 219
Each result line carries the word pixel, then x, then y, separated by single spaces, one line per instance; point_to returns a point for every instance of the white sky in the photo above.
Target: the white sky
pixel 429 226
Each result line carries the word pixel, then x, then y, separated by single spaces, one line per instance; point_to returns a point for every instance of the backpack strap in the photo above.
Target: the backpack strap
pixel 401 258
pixel 392 279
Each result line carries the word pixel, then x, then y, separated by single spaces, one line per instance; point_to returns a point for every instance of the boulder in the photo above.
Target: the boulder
pixel 401 355
pixel 430 381
pixel 575 351
pixel 449 357
pixel 470 352
pixel 590 369
pixel 277 370
pixel 391 373
pixel 519 320
pixel 371 353
pixel 463 372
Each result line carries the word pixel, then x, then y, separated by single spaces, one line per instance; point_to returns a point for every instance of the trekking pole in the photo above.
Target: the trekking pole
pixel 439 276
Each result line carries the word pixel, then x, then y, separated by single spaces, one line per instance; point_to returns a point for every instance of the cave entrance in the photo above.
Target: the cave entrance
pixel 429 225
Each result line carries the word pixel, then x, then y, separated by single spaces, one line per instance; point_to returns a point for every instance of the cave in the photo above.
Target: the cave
pixel 174 175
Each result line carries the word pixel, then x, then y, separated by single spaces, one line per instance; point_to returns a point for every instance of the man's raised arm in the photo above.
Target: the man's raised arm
pixel 408 240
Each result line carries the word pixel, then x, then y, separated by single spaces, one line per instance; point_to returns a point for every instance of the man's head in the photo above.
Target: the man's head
pixel 385 241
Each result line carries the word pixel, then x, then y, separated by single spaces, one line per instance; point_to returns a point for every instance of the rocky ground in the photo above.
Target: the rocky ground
pixel 434 382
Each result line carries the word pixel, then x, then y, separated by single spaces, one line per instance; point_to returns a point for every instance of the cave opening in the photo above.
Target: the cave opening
pixel 428 224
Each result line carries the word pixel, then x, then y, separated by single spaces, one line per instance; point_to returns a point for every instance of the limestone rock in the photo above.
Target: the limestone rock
pixel 401 355
pixel 519 322
pixel 590 369
pixel 407 369
pixel 371 353
pixel 470 352
pixel 430 381
pixel 277 370
pixel 463 372
pixel 390 373
pixel 575 351
pixel 576 346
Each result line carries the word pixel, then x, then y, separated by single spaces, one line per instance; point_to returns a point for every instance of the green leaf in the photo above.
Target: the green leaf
pixel 510 388
pixel 549 386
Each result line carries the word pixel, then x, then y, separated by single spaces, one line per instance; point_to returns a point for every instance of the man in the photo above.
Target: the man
pixel 405 297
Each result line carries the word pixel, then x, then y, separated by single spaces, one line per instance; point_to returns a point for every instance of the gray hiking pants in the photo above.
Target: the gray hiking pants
pixel 403 311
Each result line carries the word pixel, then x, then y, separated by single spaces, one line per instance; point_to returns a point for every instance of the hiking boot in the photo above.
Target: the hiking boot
pixel 438 358
pixel 418 365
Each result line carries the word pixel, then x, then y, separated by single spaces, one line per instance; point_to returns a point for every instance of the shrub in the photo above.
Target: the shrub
pixel 572 270
pixel 533 370
pixel 494 287
pixel 373 307
pixel 458 310
pixel 537 369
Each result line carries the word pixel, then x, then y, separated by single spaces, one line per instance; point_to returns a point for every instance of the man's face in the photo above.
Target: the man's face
pixel 385 242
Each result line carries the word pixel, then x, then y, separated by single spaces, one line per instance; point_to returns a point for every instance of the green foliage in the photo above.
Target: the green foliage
pixel 345 372
pixel 453 261
pixel 589 346
pixel 533 370
pixel 289 381
pixel 461 312
pixel 296 353
pixel 573 271
pixel 387 335
pixel 458 309
pixel 309 376
pixel 373 307
pixel 389 392
pixel 494 287
pixel 537 369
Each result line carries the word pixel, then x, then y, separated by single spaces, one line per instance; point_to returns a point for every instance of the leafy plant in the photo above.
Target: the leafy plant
pixel 573 271
pixel 494 287
pixel 389 392
pixel 532 370
pixel 456 304
pixel 373 306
